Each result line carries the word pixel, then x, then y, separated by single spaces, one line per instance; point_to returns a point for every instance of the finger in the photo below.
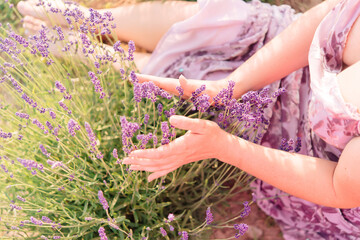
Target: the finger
pixel 156 175
pixel 29 8
pixel 168 84
pixel 168 166
pixel 161 152
pixel 144 161
pixel 194 125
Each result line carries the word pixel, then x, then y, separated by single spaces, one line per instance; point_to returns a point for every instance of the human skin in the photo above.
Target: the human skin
pixel 313 179
pixel 317 180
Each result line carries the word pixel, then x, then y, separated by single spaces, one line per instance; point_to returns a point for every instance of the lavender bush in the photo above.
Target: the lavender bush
pixel 66 123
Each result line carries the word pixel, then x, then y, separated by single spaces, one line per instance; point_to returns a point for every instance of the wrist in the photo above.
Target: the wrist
pixel 229 149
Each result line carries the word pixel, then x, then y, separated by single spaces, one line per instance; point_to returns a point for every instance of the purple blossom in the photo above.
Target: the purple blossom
pixel 163 231
pixel 21 198
pixel 160 108
pixel 290 145
pixel 131 50
pixel 144 138
pixel 91 134
pixel 59 86
pixel 102 234
pixel 55 164
pixel 117 47
pixel 49 125
pixel 45 219
pixel 13 206
pixel 171 217
pixel 171 228
pixel 102 200
pixel 73 126
pixel 184 235
pixel 39 125
pixel 63 105
pixel 97 84
pixel 44 151
pixel 36 221
pixel 30 164
pixel 52 114
pixel 246 210
pixel 30 101
pixel 128 130
pixel 5 135
pixel 209 216
pixel 242 227
pixel 165 133
pixel 4 168
pixel 115 153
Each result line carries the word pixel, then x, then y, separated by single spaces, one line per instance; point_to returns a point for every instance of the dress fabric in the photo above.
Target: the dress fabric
pixel 224 34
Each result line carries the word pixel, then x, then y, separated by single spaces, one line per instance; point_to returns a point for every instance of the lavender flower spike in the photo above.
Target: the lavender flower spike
pixel 102 200
pixel 209 217
pixel 102 234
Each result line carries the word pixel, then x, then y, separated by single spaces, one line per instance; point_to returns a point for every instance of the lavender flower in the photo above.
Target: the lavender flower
pixel 117 47
pixel 22 115
pixel 52 114
pixel 102 234
pixel 20 198
pixel 13 206
pixel 146 119
pixel 171 217
pixel 30 164
pixel 184 235
pixel 115 153
pixel 63 105
pixel 97 84
pixel 59 86
pixel 247 209
pixel 73 126
pixel 128 130
pixel 242 227
pixel 36 221
pixel 131 50
pixel 44 151
pixel 102 200
pixel 166 133
pixel 209 217
pixel 163 231
pixel 5 135
pixel 290 145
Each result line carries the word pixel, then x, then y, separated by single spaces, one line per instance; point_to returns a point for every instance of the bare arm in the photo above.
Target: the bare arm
pixel 317 180
pixel 284 54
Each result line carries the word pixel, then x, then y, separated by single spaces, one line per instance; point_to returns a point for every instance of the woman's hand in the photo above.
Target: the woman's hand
pixel 188 85
pixel 204 139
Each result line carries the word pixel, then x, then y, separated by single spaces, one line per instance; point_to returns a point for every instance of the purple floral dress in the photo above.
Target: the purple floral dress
pixel 223 35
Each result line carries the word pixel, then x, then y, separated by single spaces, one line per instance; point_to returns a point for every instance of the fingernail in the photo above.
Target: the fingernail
pixel 174 120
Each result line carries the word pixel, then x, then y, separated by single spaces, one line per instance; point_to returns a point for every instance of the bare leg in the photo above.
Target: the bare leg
pixel 144 23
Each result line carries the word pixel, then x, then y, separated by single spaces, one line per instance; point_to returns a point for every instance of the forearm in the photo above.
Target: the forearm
pixel 145 23
pixel 284 54
pixel 306 177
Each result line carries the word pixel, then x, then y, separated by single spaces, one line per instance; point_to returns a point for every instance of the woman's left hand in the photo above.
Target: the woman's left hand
pixel 204 139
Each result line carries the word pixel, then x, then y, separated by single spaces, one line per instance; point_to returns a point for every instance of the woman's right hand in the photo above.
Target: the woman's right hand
pixel 188 85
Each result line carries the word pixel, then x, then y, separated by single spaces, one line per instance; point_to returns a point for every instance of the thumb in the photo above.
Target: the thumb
pixel 190 124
